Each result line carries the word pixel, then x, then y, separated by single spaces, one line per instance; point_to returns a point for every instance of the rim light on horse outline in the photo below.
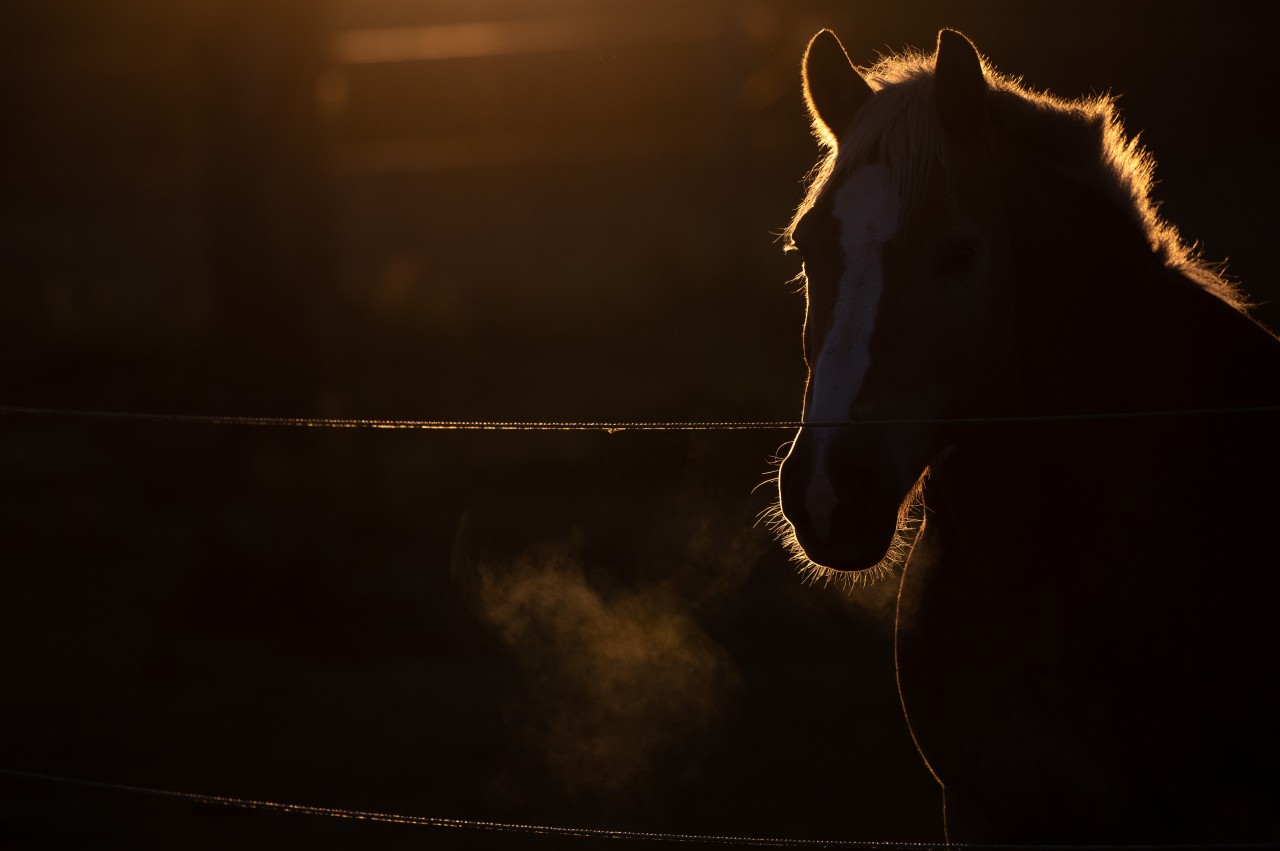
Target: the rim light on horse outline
pixel 1084 603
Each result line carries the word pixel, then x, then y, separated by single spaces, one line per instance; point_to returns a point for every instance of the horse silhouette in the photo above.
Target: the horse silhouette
pixel 1023 383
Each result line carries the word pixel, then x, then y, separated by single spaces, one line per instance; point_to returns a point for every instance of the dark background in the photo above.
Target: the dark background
pixel 467 210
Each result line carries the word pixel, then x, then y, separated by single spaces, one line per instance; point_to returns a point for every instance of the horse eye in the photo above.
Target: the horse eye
pixel 956 259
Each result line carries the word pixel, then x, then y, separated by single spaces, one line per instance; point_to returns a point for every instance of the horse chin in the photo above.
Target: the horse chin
pixel 846 553
pixel 848 547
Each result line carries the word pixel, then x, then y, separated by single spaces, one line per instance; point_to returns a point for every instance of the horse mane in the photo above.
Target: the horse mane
pixel 1083 138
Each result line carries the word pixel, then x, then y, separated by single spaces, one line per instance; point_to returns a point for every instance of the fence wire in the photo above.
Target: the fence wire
pixel 587 426
pixel 588 832
pixel 602 425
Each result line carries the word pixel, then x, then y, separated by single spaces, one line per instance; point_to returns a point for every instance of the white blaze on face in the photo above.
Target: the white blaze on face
pixel 866 210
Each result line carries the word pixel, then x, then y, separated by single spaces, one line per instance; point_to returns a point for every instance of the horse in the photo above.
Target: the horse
pixel 1035 405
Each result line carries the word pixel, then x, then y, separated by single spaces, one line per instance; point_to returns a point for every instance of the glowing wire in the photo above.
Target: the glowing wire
pixel 606 426
pixel 578 832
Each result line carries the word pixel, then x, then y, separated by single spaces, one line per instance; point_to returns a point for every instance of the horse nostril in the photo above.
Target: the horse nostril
pixel 813 482
pixel 793 482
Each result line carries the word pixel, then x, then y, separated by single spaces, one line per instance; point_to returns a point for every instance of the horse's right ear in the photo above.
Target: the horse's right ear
pixel 833 88
pixel 960 84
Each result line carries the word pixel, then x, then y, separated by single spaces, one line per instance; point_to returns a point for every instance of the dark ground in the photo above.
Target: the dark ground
pixel 576 629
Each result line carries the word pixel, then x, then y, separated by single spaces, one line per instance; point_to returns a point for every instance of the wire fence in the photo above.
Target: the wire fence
pixel 607 426
pixel 588 832
pixel 588 426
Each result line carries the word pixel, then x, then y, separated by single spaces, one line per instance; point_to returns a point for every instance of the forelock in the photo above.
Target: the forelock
pixel 898 127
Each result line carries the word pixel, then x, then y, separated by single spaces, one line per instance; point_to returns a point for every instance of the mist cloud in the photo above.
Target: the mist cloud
pixel 624 687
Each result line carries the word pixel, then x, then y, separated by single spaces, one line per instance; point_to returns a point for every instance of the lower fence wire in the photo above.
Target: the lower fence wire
pixel 611 427
pixel 582 832
pixel 606 426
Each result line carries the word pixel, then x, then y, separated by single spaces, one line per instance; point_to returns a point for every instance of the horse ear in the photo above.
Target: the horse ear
pixel 960 85
pixel 833 88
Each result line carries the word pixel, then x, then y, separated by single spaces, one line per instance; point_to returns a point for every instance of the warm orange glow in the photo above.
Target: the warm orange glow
pixel 503 38
pixel 448 153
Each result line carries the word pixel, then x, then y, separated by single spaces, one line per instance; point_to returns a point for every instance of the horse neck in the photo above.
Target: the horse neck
pixel 1104 325
pixel 1075 576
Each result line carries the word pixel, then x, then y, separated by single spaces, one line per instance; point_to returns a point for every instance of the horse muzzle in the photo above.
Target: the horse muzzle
pixel 844 515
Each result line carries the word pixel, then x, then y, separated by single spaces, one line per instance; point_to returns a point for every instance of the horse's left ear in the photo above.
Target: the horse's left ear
pixel 960 85
pixel 833 88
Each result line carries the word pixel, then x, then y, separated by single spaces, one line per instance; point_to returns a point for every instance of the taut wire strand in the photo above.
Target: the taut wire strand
pixel 605 426
pixel 584 832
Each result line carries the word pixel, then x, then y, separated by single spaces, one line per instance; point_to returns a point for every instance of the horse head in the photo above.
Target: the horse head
pixel 905 275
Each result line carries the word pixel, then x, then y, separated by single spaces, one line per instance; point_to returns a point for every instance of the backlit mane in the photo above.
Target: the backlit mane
pixel 1084 138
